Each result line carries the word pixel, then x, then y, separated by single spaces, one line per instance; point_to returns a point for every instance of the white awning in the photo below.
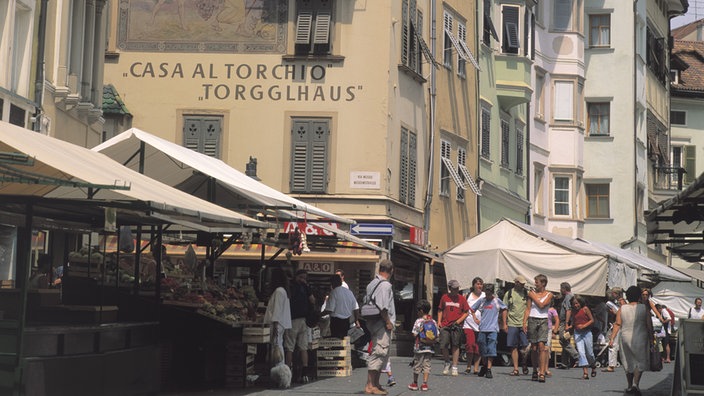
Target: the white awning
pixel 67 163
pixel 174 164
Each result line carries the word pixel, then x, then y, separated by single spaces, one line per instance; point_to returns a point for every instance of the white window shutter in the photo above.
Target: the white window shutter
pixel 322 28
pixel 303 27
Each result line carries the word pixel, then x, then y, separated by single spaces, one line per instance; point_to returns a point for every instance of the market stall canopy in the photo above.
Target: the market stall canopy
pixel 37 166
pixel 186 169
pixel 678 296
pixel 509 248
pixel 678 221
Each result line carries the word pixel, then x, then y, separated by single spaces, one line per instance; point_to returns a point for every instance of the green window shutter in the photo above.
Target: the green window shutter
pixel 403 183
pixel 319 156
pixel 412 165
pixel 404 32
pixel 304 25
pixel 690 162
pixel 211 137
pixel 322 28
pixel 309 156
pixel 202 134
pixel 191 133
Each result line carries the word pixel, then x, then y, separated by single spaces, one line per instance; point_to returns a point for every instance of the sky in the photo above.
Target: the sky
pixel 695 12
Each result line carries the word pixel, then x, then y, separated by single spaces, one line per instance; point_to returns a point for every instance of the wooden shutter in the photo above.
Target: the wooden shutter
pixel 412 165
pixel 519 151
pixel 319 145
pixel 690 162
pixel 304 24
pixel 404 182
pixel 405 28
pixel 486 133
pixel 211 137
pixel 309 155
pixel 202 134
pixel 510 42
pixel 322 28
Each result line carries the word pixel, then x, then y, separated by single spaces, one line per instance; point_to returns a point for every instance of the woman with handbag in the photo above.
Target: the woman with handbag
pixel 631 322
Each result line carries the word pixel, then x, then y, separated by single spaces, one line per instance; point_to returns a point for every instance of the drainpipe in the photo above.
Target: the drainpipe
pixel 431 143
pixel 635 122
pixel 39 82
pixel 477 113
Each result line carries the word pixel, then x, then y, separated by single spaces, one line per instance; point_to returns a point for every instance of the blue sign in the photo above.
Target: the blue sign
pixel 372 229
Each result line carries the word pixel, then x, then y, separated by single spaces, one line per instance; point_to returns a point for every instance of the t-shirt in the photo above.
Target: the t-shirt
pixel 384 296
pixel 420 347
pixel 516 302
pixel 341 303
pixel 277 309
pixel 695 313
pixel 469 322
pixel 552 315
pixel 565 306
pixel 299 300
pixel 490 310
pixel 452 308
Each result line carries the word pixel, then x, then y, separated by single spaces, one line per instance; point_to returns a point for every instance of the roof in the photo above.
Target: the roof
pixel 112 102
pixel 691 53
pixel 681 33
pixel 56 169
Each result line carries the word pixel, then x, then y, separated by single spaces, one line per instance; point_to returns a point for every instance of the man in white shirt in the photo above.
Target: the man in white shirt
pixel 696 312
pixel 381 292
pixel 341 306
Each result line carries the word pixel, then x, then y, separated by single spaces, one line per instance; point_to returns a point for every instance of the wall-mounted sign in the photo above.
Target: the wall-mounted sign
pixel 318 267
pixel 365 180
pixel 309 228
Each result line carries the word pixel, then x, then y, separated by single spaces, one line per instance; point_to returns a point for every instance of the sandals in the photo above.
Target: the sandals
pixel 585 376
pixel 525 370
pixel 514 373
pixel 608 370
pixel 541 377
pixel 593 372
pixel 535 376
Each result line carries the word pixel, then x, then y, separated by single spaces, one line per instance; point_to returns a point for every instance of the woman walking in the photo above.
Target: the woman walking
pixel 631 323
pixel 471 328
pixel 582 321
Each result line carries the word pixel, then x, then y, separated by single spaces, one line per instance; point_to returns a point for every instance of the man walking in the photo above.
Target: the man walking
pixel 452 312
pixel 302 300
pixel 516 340
pixel 380 294
pixel 342 308
pixel 568 350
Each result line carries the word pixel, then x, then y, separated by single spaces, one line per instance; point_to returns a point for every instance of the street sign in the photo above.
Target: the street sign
pixel 372 229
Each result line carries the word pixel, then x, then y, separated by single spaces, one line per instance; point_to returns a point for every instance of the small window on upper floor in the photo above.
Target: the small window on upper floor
pixel 567 15
pixel 600 30
pixel 510 43
pixel 203 134
pixel 314 20
pixel 597 201
pixel 678 117
pixel 599 118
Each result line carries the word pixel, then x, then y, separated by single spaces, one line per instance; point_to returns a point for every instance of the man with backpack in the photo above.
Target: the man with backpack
pixel 380 313
pixel 452 312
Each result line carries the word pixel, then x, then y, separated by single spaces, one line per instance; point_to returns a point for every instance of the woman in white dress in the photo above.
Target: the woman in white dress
pixel 631 323
pixel 471 328
pixel 278 313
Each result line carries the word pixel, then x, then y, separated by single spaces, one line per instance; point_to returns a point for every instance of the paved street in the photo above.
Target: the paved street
pixel 563 382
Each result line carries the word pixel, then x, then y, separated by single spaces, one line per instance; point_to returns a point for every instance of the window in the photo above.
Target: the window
pixel 409 163
pixel 309 154
pixel 461 37
pixel 597 201
pixel 489 29
pixel 599 30
pixel 313 27
pixel 447 42
pixel 674 76
pixel 566 16
pixel 461 163
pixel 656 55
pixel 519 150
pixel 510 35
pixel 599 115
pixel 561 197
pixel 538 199
pixel 505 138
pixel 684 157
pixel 448 170
pixel 486 132
pixel 538 12
pixel 17 116
pixel 457 44
pixel 20 49
pixel 411 36
pixel 678 117
pixel 564 101
pixel 540 95
pixel 202 134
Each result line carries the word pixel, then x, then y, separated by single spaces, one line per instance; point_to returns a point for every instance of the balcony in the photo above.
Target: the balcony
pixel 513 84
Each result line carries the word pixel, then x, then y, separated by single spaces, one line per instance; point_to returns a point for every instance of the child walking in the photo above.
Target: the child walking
pixel 490 307
pixel 425 329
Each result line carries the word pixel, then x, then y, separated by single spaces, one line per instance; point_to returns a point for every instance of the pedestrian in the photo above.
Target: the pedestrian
pixel 666 329
pixel 535 324
pixel 452 312
pixel 493 312
pixel 380 314
pixel 615 297
pixel 341 273
pixel 342 307
pixel 296 338
pixel 553 326
pixel 582 322
pixel 696 312
pixel 471 328
pixel 278 311
pixel 516 339
pixel 631 323
pixel 423 347
pixel 568 350
pixel 645 299
pixel 390 380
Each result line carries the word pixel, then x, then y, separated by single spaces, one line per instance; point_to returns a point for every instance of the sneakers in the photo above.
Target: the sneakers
pixel 424 387
pixel 414 386
pixel 482 371
pixel 488 374
pixel 454 372
pixel 446 369
pixel 305 379
pixel 391 382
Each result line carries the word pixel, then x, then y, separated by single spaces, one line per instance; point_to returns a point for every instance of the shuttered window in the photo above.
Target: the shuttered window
pixel 309 155
pixel 486 133
pixel 510 43
pixel 409 163
pixel 313 27
pixel 461 163
pixel 203 134
pixel 411 36
pixel 445 150
pixel 519 150
pixel 505 139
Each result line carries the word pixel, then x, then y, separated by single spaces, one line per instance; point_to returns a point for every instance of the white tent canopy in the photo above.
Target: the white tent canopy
pixel 174 164
pixel 57 159
pixel 678 296
pixel 509 248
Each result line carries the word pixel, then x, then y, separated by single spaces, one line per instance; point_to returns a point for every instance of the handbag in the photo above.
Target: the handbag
pixel 655 357
pixel 370 310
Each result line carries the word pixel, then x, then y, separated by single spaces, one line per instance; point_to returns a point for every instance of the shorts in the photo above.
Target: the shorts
pixel 516 337
pixel 421 362
pixel 487 343
pixel 470 344
pixel 537 330
pixel 450 336
pixel 381 340
pixel 297 335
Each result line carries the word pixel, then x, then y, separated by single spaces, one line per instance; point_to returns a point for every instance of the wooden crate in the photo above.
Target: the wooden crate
pixel 343 372
pixel 344 362
pixel 256 334
pixel 334 343
pixel 334 357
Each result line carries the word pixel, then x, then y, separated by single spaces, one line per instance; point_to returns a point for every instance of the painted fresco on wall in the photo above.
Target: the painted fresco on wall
pixel 224 26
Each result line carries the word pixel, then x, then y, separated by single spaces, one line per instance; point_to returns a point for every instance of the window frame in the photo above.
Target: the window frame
pixel 309 175
pixel 597 197
pixel 408 166
pixel 445 152
pixel 461 161
pixel 511 30
pixel 540 78
pixel 519 147
pixel 201 144
pixel 310 27
pixel 576 98
pixel 599 31
pixel 485 131
pixel 592 107
pixel 568 190
pixel 505 143
pixel 574 24
pixel 684 117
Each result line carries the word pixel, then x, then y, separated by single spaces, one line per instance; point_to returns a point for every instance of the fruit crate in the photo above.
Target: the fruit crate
pixel 334 357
